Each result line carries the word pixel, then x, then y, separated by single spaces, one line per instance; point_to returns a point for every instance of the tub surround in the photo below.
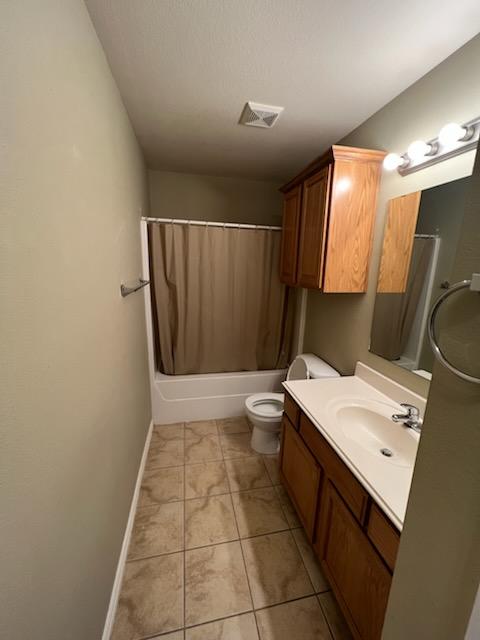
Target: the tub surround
pixel 386 481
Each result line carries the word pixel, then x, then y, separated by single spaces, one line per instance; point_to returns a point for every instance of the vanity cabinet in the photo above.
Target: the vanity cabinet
pixel 354 540
pixel 328 218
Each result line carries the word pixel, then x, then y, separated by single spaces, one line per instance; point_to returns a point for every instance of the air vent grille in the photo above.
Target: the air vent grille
pixel 260 115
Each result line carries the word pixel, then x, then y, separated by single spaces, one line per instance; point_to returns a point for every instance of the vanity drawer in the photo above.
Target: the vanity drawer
pixel 383 535
pixel 291 409
pixel 345 482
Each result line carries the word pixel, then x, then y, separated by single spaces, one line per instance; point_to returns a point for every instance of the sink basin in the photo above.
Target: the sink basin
pixel 371 427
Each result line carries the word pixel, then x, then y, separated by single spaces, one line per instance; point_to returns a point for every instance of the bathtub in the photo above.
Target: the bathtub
pixel 210 395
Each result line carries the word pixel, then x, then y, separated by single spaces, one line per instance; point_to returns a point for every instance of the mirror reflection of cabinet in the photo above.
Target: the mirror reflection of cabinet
pixel 398 243
pixel 421 236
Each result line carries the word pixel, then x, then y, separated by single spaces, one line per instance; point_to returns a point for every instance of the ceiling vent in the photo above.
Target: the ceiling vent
pixel 260 115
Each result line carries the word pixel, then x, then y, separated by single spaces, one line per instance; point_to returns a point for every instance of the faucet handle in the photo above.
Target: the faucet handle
pixel 412 410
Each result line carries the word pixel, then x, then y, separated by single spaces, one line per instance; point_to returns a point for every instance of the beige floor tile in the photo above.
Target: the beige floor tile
pixel 247 473
pixel 310 560
pixel 288 508
pixel 176 635
pixel 151 599
pixel 168 453
pixel 237 445
pixel 157 530
pixel 216 583
pixel 275 569
pixel 300 619
pixel 237 628
pixel 334 617
pixel 271 462
pixel 205 479
pixel 258 511
pixel 233 425
pixel 161 485
pixel 200 428
pixel 202 449
pixel 209 521
pixel 174 431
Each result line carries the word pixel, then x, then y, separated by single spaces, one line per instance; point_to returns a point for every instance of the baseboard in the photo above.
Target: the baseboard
pixel 117 583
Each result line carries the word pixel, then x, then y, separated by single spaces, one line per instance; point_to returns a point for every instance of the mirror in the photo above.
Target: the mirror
pixel 421 236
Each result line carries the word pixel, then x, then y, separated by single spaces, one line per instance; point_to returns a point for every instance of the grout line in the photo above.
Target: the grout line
pixel 303 561
pixel 333 635
pixel 184 548
pixel 244 561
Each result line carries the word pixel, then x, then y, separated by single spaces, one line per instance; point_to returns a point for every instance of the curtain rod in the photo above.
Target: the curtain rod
pixel 426 235
pixel 202 223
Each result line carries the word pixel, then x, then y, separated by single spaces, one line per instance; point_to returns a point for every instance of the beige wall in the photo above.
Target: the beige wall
pixel 75 406
pixel 438 566
pixel 199 197
pixel 338 326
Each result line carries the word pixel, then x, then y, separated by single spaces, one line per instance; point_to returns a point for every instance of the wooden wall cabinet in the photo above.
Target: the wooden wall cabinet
pixel 328 218
pixel 353 539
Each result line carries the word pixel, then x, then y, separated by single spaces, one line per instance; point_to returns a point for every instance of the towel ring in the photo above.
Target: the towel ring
pixel 473 285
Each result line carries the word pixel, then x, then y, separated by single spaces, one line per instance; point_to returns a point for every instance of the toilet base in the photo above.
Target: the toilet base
pixel 266 442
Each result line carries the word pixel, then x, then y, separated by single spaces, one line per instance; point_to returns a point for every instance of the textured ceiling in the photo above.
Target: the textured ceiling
pixel 186 67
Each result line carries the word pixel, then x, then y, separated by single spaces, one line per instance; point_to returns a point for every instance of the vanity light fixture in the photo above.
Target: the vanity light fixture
pixel 452 140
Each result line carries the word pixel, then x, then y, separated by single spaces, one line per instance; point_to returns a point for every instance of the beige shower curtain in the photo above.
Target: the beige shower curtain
pixel 395 312
pixel 218 303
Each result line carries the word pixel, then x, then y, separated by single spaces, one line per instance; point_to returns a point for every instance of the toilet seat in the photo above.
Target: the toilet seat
pixel 266 406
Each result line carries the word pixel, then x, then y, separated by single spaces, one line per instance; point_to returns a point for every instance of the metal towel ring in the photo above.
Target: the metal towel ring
pixel 458 286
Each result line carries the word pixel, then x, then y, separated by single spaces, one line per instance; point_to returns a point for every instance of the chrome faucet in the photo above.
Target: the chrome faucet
pixel 410 419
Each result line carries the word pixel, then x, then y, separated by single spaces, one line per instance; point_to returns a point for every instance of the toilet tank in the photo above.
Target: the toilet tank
pixel 308 365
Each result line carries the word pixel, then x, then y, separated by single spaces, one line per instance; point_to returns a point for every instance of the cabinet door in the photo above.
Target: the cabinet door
pixel 313 227
pixel 350 228
pixel 358 576
pixel 301 474
pixel 290 230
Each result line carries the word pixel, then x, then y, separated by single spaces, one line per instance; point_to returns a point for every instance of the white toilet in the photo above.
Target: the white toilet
pixel 264 410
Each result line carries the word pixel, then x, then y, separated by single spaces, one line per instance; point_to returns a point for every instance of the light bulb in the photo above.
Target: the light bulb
pixel 393 161
pixel 451 133
pixel 418 149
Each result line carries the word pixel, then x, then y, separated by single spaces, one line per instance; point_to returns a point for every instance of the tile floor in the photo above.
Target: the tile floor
pixel 217 551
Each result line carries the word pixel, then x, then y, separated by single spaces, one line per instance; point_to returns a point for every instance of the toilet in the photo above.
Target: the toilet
pixel 264 410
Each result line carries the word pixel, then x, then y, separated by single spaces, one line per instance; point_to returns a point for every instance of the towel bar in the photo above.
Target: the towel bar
pixel 125 290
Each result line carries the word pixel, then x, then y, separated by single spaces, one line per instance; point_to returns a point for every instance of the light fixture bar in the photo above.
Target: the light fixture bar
pixel 444 152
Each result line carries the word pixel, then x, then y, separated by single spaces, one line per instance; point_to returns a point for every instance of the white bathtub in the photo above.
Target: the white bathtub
pixel 211 395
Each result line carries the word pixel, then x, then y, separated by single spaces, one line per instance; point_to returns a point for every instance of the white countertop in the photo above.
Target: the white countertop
pixel 388 483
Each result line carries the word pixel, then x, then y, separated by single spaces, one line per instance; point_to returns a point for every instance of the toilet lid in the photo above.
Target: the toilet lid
pixel 266 405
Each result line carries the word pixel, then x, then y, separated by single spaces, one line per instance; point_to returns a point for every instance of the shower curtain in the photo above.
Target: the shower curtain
pixel 218 304
pixel 395 312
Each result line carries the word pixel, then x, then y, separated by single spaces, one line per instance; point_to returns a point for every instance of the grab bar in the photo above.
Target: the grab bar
pixel 125 290
pixel 473 285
